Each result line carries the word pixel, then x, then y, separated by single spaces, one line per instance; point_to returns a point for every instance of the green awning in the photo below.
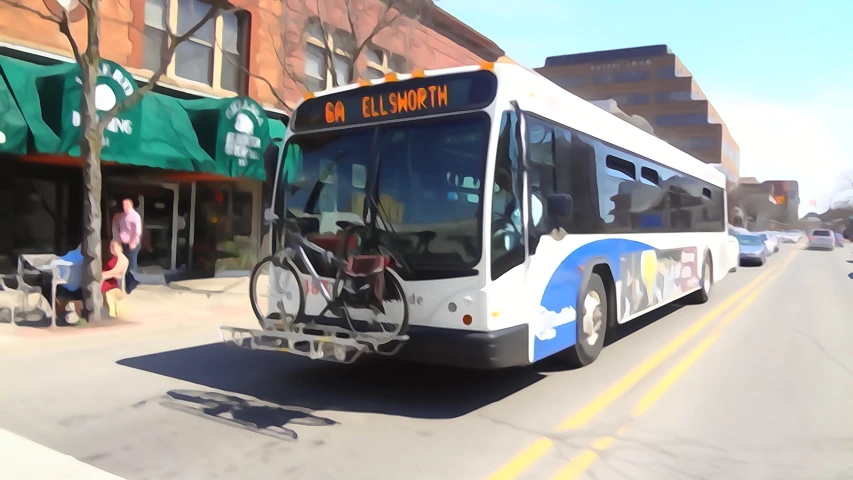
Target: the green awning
pixel 166 139
pixel 220 136
pixel 13 127
pixel 38 87
pixel 234 132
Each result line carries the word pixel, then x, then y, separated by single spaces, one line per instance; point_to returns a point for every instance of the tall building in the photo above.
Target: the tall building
pixel 200 192
pixel 653 83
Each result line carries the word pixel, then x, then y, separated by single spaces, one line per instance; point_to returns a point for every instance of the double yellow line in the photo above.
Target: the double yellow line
pixel 580 463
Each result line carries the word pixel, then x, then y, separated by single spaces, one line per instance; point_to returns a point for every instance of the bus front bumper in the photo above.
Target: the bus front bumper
pixel 465 349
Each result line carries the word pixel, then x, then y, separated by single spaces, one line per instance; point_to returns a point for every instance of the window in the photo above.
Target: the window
pixel 381 63
pixel 649 176
pixel 428 179
pixel 317 71
pixel 507 239
pixel 194 57
pixel 665 73
pixel 606 195
pixel 571 81
pixel 631 99
pixel 621 77
pixel 616 178
pixel 700 143
pixel 155 33
pixel 678 119
pixel 673 96
pixel 215 55
pixel 731 151
pixel 234 51
pixel 541 144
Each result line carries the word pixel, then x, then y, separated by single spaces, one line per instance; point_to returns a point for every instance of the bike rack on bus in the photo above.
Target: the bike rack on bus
pixel 317 342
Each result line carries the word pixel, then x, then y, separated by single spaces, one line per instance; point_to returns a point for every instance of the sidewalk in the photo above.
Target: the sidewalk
pixel 22 458
pixel 213 301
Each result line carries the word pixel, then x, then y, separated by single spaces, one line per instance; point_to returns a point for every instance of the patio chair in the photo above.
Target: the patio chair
pixel 10 298
pixel 18 298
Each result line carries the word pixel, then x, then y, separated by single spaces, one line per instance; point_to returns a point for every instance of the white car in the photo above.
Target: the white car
pixel 821 239
pixel 770 242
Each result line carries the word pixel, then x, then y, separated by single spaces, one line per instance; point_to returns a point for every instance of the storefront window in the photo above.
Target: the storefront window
pixel 223 230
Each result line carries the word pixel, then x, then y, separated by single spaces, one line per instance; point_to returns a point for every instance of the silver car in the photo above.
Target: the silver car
pixel 821 239
pixel 753 251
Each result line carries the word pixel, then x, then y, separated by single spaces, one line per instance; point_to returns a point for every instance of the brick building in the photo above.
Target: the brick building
pixel 251 35
pixel 201 210
pixel 653 83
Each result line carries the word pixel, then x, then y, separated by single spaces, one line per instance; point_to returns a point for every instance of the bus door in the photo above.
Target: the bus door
pixel 550 286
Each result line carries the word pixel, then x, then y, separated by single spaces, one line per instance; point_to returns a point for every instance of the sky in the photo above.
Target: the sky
pixel 780 73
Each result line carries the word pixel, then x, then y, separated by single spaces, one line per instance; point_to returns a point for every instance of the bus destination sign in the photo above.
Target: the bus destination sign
pixel 405 99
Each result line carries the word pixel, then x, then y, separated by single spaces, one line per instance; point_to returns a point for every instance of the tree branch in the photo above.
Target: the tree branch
pixel 65 28
pixel 258 77
pixel 42 15
pixel 167 52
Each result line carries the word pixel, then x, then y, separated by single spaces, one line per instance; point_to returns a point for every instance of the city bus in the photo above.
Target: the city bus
pixel 523 221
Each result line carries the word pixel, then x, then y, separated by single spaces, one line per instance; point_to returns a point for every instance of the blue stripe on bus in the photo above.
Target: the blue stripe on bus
pixel 561 293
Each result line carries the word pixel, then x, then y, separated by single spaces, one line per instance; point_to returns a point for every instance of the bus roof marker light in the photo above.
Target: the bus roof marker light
pixel 490 66
pixel 391 77
pixel 307 96
pixel 364 83
pixel 419 73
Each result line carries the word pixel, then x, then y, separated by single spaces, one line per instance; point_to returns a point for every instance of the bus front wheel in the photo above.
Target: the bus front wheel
pixel 591 324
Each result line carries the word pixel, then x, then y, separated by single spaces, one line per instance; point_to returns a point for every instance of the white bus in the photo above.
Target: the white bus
pixel 529 221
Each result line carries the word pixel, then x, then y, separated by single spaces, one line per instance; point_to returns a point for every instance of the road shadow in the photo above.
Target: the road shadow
pixel 849 261
pixel 252 415
pixel 371 385
pixel 850 276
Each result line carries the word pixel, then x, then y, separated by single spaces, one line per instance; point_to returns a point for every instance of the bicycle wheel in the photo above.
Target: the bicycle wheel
pixel 395 316
pixel 276 294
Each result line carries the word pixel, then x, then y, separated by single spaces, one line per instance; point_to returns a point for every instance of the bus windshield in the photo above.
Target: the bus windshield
pixel 428 186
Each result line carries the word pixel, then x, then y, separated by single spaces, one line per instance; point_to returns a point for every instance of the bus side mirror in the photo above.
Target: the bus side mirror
pixel 270 216
pixel 560 205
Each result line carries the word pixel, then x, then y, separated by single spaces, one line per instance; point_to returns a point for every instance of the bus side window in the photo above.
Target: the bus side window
pixel 541 178
pixel 507 240
pixel 616 177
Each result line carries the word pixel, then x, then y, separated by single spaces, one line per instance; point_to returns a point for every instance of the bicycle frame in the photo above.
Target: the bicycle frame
pixel 315 277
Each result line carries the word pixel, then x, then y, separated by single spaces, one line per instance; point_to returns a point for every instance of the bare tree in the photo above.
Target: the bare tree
pixel 362 21
pixel 92 123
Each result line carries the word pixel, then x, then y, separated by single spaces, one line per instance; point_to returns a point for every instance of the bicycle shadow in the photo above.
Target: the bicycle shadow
pixel 371 385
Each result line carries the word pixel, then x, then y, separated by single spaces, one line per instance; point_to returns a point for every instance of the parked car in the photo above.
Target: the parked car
pixel 753 250
pixel 770 241
pixel 839 240
pixel 821 239
pixel 791 236
pixel 732 253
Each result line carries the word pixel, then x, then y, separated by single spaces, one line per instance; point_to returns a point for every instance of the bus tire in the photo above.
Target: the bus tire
pixel 589 342
pixel 706 282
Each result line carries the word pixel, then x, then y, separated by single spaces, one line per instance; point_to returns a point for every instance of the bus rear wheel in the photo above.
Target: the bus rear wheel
pixel 590 325
pixel 706 282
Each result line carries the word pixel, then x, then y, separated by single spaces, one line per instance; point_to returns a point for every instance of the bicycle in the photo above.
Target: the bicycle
pixel 362 282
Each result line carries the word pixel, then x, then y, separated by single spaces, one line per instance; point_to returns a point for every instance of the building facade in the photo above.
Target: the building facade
pixel 262 55
pixel 653 83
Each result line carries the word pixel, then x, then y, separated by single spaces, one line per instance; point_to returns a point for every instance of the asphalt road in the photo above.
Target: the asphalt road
pixel 758 383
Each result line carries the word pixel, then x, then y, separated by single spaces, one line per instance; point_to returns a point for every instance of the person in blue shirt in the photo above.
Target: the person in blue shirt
pixel 71 289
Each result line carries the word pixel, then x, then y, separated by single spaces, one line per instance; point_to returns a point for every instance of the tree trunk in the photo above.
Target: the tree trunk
pixel 90 150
